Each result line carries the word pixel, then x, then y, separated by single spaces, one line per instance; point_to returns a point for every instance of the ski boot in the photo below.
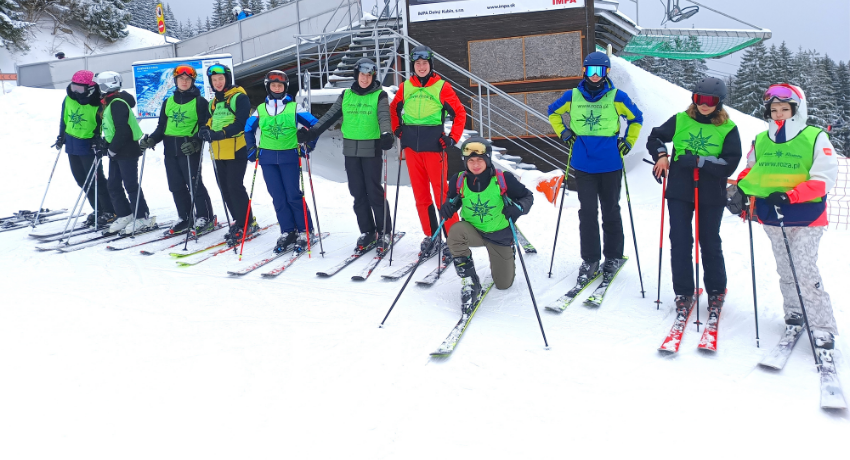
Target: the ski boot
pixel 105 218
pixel 204 225
pixel 141 224
pixel 301 242
pixel 178 228
pixel 285 242
pixel 365 240
pixel 89 220
pixel 715 303
pixel 823 339
pixel 471 286
pixel 587 271
pixel 384 242
pixel 683 304
pixel 120 223
pixel 426 248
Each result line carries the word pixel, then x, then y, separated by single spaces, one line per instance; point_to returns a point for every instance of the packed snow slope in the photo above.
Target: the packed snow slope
pixel 117 355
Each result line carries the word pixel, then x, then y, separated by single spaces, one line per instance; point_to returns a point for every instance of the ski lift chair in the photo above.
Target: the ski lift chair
pixel 675 13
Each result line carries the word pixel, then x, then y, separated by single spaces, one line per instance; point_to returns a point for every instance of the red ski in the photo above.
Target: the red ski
pixel 674 338
pixel 708 341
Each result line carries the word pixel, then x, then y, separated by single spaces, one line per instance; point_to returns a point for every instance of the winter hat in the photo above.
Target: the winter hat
pixel 83 77
pixel 477 147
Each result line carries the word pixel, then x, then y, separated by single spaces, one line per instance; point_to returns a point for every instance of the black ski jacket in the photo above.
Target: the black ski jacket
pixel 123 144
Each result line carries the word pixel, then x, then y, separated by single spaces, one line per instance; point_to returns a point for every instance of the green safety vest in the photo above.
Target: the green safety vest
pixel 781 167
pixel 80 120
pixel 484 209
pixel 279 132
pixel 359 116
pixel 182 118
pixel 700 138
pixel 422 106
pixel 109 124
pixel 598 118
pixel 223 114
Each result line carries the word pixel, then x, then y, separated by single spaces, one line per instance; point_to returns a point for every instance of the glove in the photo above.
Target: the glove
pixel 568 137
pixel 305 135
pixel 623 147
pixel 191 147
pixel 512 211
pixel 253 151
pixel 707 159
pixel 397 132
pixel 688 160
pixel 387 141
pixel 778 199
pixel 449 208
pixel 209 135
pixel 60 141
pixel 146 143
pixel 446 142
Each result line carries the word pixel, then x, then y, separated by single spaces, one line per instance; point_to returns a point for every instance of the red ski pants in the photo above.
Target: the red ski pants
pixel 428 174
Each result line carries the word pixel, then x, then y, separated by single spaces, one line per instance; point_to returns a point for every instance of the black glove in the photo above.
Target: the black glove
pixel 397 132
pixel 446 142
pixel 253 151
pixel 623 147
pixel 778 199
pixel 60 141
pixel 146 142
pixel 387 141
pixel 568 137
pixel 512 211
pixel 305 135
pixel 449 208
pixel 209 135
pixel 688 160
pixel 190 147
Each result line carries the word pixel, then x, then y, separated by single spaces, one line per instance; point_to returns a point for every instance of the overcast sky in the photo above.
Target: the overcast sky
pixel 823 25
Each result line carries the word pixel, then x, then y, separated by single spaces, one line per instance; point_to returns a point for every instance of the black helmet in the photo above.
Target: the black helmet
pixel 220 69
pixel 365 65
pixel 422 52
pixel 276 76
pixel 711 86
pixel 477 147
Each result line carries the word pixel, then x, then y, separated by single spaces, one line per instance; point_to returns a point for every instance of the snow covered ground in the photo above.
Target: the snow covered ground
pixel 117 355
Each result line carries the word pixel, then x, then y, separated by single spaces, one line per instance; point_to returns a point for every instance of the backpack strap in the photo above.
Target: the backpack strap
pixel 503 186
pixel 459 185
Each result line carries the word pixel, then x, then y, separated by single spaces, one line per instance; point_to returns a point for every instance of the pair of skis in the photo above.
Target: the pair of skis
pixel 448 345
pixel 94 238
pixel 290 251
pixel 364 274
pixel 210 255
pixel 831 394
pixel 596 298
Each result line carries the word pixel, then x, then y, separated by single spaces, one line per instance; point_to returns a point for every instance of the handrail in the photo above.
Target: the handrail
pixel 350 21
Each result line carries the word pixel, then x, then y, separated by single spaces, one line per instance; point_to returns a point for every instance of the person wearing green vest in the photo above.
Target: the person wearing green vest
pixel 366 132
pixel 276 146
pixel 79 133
pixel 487 199
pixel 596 109
pixel 180 117
pixel 229 111
pixel 705 142
pixel 121 134
pixel 792 167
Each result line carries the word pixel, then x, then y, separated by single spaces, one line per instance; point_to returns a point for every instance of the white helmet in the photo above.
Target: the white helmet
pixel 108 81
pixel 237 9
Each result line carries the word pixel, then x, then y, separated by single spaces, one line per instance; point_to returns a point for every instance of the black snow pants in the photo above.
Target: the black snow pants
pixel 124 175
pixel 80 167
pixel 231 175
pixel 179 173
pixel 682 247
pixel 595 191
pixel 365 177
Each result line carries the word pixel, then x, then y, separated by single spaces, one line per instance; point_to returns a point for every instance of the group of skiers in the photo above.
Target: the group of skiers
pixel 790 170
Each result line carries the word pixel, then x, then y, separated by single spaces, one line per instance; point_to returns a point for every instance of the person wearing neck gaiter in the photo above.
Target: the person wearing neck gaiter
pixel 704 139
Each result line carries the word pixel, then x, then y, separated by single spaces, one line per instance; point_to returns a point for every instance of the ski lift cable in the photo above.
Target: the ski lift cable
pixel 723 14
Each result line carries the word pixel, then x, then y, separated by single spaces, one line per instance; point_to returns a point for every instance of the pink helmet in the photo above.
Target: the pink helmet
pixel 83 77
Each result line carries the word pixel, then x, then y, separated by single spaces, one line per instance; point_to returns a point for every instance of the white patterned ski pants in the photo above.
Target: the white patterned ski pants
pixel 804 243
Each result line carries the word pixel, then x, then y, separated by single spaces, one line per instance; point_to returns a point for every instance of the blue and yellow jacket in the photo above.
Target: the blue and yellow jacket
pixel 596 154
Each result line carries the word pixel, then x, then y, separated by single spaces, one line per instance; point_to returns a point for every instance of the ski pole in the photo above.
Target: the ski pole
pixel 139 192
pixel 753 267
pixel 248 212
pixel 88 183
pixel 696 240
pixel 661 241
pixel 223 203
pixel 525 272
pixel 83 189
pixel 560 210
pixel 444 166
pixel 191 212
pixel 409 277
pixel 315 208
pixel 632 219
pixel 797 283
pixel 397 189
pixel 384 207
pixel 50 179
pixel 304 205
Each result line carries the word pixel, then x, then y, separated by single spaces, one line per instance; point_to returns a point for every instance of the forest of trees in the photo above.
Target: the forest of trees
pixel 826 84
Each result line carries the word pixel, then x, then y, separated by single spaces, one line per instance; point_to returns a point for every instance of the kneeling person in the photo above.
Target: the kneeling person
pixel 488 200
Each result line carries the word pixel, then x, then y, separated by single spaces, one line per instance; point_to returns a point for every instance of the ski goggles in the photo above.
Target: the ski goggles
pixel 781 93
pixel 187 70
pixel 78 88
pixel 217 69
pixel 417 55
pixel 595 70
pixel 705 99
pixel 367 68
pixel 277 78
pixel 474 148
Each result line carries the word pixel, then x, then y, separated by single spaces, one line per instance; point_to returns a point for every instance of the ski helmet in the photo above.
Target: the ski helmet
pixel 596 64
pixel 422 52
pixel 711 86
pixel 220 69
pixel 477 147
pixel 184 69
pixel 276 76
pixel 82 83
pixel 597 58
pixel 365 65
pixel 782 92
pixel 108 81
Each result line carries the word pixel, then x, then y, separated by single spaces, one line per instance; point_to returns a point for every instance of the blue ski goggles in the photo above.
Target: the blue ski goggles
pixel 595 70
pixel 417 55
pixel 216 69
